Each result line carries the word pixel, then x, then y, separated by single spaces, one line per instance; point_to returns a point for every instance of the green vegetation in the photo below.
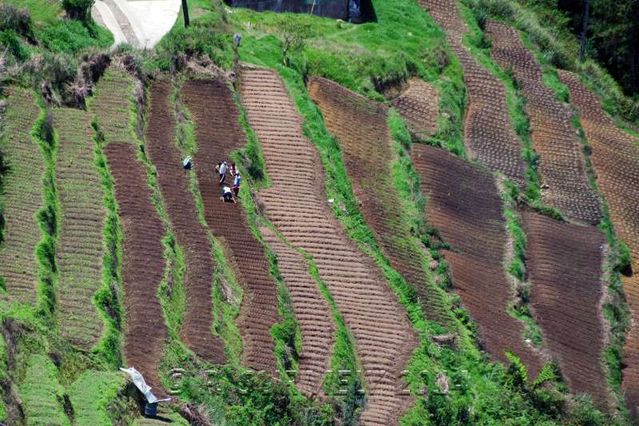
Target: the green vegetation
pixel 42 396
pixel 92 396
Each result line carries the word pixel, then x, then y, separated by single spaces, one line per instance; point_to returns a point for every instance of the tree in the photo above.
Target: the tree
pixel 78 9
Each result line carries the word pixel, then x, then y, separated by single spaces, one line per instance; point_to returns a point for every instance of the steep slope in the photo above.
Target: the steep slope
pixel 80 246
pixel 465 206
pixel 615 158
pixel 142 250
pixel 22 197
pixel 383 335
pixel 197 326
pixel 562 167
pixel 488 133
pixel 361 129
pixel 218 134
pixel 564 263
pixel 419 105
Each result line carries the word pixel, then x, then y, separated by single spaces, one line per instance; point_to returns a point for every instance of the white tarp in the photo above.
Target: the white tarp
pixel 140 383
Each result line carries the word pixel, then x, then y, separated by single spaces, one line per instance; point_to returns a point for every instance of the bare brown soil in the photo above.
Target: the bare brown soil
pixel 312 313
pixel 22 198
pixel 564 262
pixel 361 129
pixel 143 262
pixel 562 167
pixel 615 158
pixel 419 105
pixel 465 206
pixel 173 180
pixel 80 246
pixel 296 204
pixel 218 134
pixel 488 132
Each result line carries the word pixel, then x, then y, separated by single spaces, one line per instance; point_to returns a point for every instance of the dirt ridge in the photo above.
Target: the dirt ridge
pixel 383 335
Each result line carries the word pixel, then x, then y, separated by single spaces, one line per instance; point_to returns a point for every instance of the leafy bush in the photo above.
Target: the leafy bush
pixel 78 9
pixel 18 20
pixel 11 41
pixel 74 36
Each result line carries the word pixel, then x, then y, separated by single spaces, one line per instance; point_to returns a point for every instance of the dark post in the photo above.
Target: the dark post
pixel 185 9
pixel 584 31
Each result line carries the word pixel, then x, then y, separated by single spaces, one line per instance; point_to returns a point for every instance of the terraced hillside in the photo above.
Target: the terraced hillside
pixel 488 133
pixel 218 134
pixel 383 335
pixel 562 167
pixel 142 250
pixel 419 105
pixel 22 197
pixel 190 234
pixel 465 205
pixel 615 158
pixel 361 129
pixel 80 247
pixel 312 313
pixel 564 263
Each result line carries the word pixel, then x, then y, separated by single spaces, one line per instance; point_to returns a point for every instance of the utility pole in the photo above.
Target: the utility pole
pixel 185 9
pixel 584 31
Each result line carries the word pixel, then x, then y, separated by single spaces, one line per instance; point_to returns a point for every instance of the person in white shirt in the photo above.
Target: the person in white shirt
pixel 223 168
pixel 227 194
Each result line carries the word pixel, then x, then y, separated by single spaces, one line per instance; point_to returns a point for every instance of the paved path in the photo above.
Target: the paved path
pixel 141 23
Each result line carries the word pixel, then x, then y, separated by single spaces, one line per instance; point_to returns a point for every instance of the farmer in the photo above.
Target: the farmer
pixel 227 194
pixel 236 183
pixel 223 169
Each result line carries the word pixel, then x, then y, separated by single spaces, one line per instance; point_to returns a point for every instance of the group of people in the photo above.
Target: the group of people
pixel 228 194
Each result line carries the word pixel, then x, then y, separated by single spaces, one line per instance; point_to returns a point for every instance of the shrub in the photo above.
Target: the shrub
pixel 11 41
pixel 18 20
pixel 73 36
pixel 78 9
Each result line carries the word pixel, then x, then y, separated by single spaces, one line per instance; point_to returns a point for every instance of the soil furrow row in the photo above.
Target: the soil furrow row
pixel 80 249
pixel 264 93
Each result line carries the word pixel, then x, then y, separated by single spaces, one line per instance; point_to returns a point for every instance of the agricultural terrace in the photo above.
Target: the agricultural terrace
pixel 562 167
pixel 419 106
pixel 218 133
pixel 488 132
pixel 383 335
pixel 361 128
pixel 22 197
pixel 464 204
pixel 142 250
pixel 80 245
pixel 564 263
pixel 190 234
pixel 615 158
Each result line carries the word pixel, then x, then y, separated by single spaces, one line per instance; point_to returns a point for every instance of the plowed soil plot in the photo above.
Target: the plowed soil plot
pixel 419 105
pixel 143 264
pixel 218 133
pixel 615 158
pixel 312 313
pixel 190 234
pixel 361 129
pixel 80 246
pixel 561 160
pixel 488 133
pixel 565 269
pixel 22 194
pixel 142 257
pixel 296 204
pixel 465 206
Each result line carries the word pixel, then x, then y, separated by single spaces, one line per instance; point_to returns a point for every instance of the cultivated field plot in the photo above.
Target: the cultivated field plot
pixel 361 129
pixel 419 105
pixel 383 335
pixel 173 180
pixel 562 167
pixel 312 313
pixel 80 245
pixel 615 158
pixel 564 263
pixel 488 133
pixel 218 133
pixel 465 206
pixel 22 197
pixel 142 257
